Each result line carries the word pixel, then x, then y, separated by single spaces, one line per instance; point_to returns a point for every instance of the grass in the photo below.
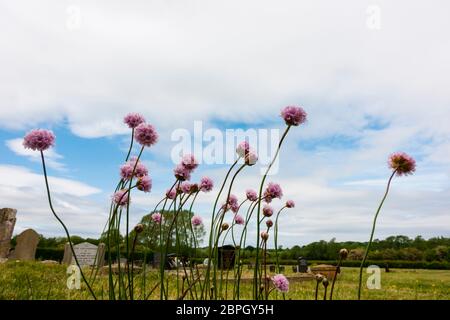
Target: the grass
pixel 34 280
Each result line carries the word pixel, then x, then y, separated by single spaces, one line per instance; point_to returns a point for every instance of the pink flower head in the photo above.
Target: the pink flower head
pixel 267 211
pixel 126 170
pixel 182 173
pixel 232 199
pixel 189 162
pixel 156 217
pixel 206 184
pixel 121 197
pixel 238 219
pixel 171 194
pixel 293 116
pixel 251 195
pixel 269 223
pixel 243 148
pixel 234 207
pixel 133 120
pixel 281 283
pixel 251 158
pixel 265 235
pixel 144 184
pixel 39 139
pixel 145 134
pixel 196 221
pixel 290 204
pixel 402 163
pixel 232 204
pixel 272 191
pixel 185 187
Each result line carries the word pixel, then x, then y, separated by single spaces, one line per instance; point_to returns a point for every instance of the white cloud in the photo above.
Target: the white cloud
pixel 52 158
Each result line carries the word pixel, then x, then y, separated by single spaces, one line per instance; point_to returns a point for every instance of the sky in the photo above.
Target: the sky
pixel 372 75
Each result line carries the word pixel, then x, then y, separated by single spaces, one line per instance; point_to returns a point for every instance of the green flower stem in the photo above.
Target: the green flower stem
pixel 256 283
pixel 211 234
pixel 276 240
pixel 335 276
pixel 64 226
pixel 372 233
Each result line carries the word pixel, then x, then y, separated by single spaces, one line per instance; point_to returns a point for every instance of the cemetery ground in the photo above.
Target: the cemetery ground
pixel 36 280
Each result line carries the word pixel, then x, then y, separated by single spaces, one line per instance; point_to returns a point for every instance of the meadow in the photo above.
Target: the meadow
pixel 38 281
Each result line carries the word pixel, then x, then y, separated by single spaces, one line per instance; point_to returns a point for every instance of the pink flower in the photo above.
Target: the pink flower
pixel 39 139
pixel 144 184
pixel 251 195
pixel 231 204
pixel 126 170
pixel 293 116
pixel 238 219
pixel 267 211
pixel 206 184
pixel 234 207
pixel 182 173
pixel 251 158
pixel 171 194
pixel 272 191
pixel 269 223
pixel 145 134
pixel 121 197
pixel 133 120
pixel 243 148
pixel 185 187
pixel 281 283
pixel 196 221
pixel 232 199
pixel 156 217
pixel 402 163
pixel 290 204
pixel 265 235
pixel 189 162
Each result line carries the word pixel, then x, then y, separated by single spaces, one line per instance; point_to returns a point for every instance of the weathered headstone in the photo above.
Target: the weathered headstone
pixel 25 249
pixel 226 257
pixel 7 223
pixel 88 254
pixel 302 265
pixel 67 258
pixel 327 270
pixel 272 268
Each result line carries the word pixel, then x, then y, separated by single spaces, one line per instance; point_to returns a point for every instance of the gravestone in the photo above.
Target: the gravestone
pixel 67 259
pixel 25 249
pixel 88 254
pixel 272 268
pixel 226 257
pixel 302 265
pixel 326 270
pixel 7 223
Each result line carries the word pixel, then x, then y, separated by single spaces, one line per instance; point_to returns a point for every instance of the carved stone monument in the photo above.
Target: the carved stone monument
pixel 87 254
pixel 26 246
pixel 7 223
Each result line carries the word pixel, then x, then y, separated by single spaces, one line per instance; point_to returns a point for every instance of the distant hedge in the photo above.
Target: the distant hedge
pixel 57 254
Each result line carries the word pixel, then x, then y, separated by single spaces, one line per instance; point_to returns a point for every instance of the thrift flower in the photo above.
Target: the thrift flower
pixel 156 217
pixel 267 211
pixel 272 191
pixel 251 195
pixel 281 283
pixel 121 197
pixel 290 204
pixel 39 139
pixel 145 134
pixel 133 120
pixel 206 184
pixel 403 163
pixel 243 148
pixel 182 173
pixel 293 116
pixel 239 219
pixel 196 221
pixel 144 184
pixel 189 162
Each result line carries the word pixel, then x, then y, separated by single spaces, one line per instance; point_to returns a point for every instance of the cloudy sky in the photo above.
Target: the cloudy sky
pixel 372 75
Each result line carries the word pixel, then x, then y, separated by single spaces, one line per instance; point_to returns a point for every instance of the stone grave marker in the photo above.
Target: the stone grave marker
pixel 302 265
pixel 88 254
pixel 25 249
pixel 7 223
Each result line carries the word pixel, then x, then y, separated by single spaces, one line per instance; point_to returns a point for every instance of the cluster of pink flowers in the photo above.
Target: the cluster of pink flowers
pixel 238 219
pixel 39 139
pixel 206 184
pixel 290 204
pixel 156 217
pixel 144 184
pixel 244 151
pixel 232 204
pixel 184 170
pixel 133 120
pixel 272 191
pixel 267 211
pixel 196 221
pixel 121 197
pixel 402 163
pixel 281 283
pixel 293 116
pixel 145 134
pixel 133 168
pixel 251 195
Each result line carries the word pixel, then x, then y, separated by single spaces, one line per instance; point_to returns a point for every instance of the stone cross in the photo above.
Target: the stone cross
pixel 7 223
pixel 26 246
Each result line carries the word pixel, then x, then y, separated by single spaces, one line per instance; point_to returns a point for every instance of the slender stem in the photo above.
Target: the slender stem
pixel 256 283
pixel 372 233
pixel 276 240
pixel 64 226
pixel 335 276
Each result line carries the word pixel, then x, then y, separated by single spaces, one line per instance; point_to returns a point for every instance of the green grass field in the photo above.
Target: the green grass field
pixel 34 280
